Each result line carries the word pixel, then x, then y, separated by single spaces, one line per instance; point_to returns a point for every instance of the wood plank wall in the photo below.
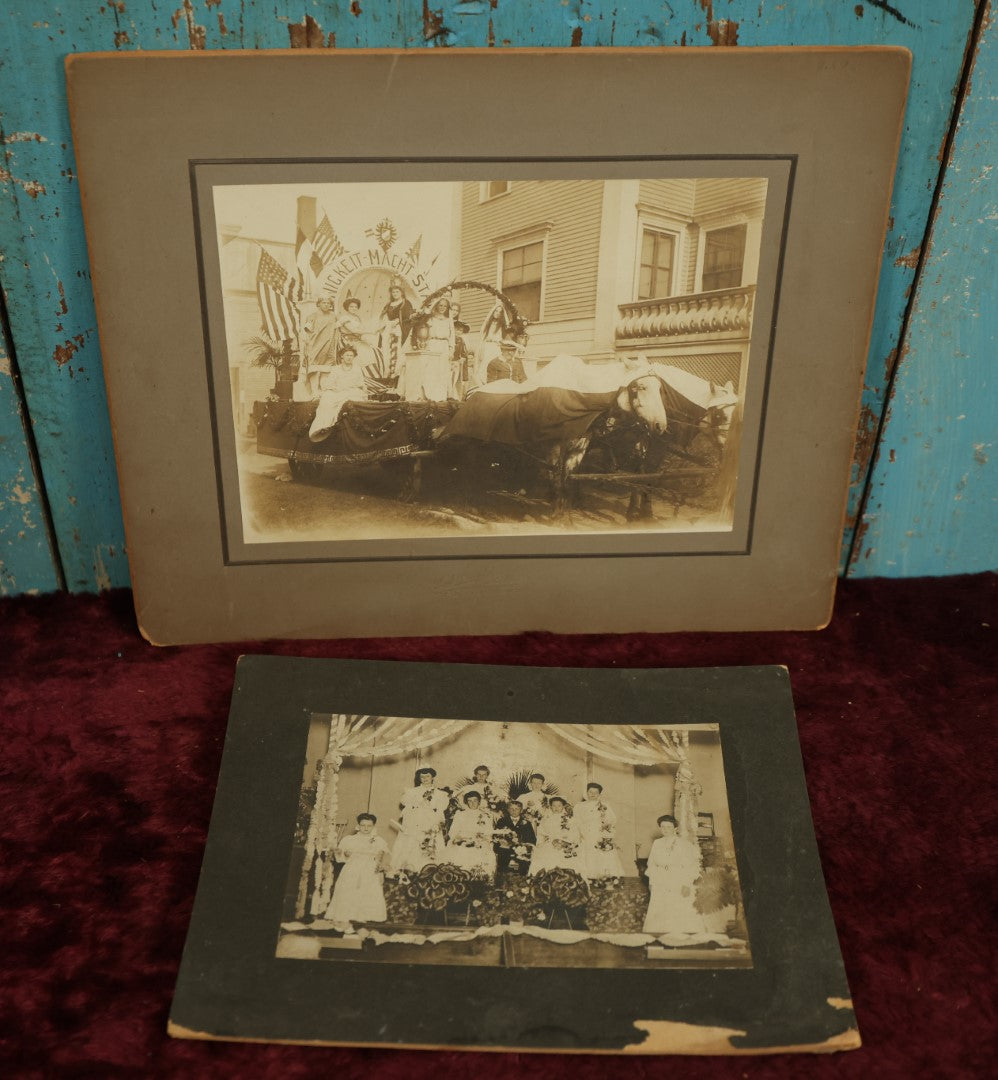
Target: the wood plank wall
pixel 923 477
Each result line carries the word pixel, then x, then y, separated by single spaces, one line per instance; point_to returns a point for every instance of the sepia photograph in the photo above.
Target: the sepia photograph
pixel 428 841
pixel 487 357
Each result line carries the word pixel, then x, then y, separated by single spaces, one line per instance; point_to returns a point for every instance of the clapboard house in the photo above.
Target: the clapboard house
pixel 662 269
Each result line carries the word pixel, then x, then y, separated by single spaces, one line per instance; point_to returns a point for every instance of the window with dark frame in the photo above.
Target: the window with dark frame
pixel 723 257
pixel 522 269
pixel 657 254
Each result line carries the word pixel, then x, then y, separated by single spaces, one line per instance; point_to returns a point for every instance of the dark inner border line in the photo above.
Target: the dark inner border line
pixel 227 560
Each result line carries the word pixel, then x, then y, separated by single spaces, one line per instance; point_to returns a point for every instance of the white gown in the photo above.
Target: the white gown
pixel 535 806
pixel 470 842
pixel 597 823
pixel 558 843
pixel 673 865
pixel 421 840
pixel 359 895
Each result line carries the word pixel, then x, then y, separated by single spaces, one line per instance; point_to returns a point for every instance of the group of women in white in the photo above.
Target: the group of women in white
pixel 425 351
pixel 526 835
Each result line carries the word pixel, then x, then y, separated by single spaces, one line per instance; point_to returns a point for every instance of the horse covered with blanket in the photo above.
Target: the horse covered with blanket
pixel 555 416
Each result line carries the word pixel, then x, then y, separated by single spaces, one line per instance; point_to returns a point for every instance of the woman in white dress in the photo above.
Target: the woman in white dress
pixel 558 840
pixel 421 834
pixel 534 801
pixel 470 843
pixel 359 895
pixel 335 385
pixel 673 867
pixel 426 375
pixel 597 824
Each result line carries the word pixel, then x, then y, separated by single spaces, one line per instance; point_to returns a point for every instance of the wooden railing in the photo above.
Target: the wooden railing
pixel 717 312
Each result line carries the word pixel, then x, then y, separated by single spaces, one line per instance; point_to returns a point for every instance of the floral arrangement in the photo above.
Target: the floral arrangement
pixel 616 906
pixel 559 886
pixel 437 886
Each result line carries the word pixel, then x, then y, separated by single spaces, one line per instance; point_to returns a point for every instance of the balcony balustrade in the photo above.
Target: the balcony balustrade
pixel 723 311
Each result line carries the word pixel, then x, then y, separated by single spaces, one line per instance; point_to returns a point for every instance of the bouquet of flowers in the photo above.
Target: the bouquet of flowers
pixel 567 848
pixel 505 838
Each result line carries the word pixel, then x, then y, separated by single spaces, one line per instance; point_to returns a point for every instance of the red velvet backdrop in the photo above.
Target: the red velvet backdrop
pixel 111 748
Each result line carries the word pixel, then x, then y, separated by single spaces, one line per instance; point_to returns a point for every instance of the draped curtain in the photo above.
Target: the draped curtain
pixel 634 744
pixel 354 736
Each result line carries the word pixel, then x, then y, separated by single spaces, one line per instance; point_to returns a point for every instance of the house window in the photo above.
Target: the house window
pixel 493 188
pixel 655 273
pixel 522 269
pixel 723 256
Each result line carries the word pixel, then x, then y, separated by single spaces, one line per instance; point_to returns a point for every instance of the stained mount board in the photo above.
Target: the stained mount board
pixel 262 962
pixel 815 130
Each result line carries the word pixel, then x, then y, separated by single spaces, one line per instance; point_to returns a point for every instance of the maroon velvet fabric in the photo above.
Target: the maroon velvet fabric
pixel 111 749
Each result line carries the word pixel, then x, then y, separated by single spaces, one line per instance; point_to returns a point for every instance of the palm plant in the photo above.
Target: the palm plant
pixel 262 352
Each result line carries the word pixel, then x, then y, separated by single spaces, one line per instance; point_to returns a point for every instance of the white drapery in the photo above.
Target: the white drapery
pixel 635 744
pixel 630 744
pixel 352 735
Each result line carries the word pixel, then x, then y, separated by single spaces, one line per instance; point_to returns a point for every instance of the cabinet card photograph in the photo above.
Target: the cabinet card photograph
pixel 424 841
pixel 477 359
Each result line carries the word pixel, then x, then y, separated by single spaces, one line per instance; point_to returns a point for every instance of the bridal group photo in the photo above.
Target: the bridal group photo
pixel 490 357
pixel 472 842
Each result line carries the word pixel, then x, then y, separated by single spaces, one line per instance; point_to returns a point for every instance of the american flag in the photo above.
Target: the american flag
pixel 326 244
pixel 276 289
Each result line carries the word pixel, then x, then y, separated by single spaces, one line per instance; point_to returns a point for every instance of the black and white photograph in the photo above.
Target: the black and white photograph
pixel 493 357
pixel 451 842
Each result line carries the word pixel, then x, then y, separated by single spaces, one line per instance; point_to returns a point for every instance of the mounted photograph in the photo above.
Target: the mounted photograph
pixel 424 841
pixel 487 357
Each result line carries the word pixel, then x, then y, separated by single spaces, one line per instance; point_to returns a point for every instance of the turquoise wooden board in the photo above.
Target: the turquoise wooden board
pixel 941 516
pixel 26 564
pixel 41 234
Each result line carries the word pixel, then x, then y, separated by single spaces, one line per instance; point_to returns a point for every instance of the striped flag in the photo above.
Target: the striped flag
pixel 275 289
pixel 326 245
pixel 413 252
pixel 303 259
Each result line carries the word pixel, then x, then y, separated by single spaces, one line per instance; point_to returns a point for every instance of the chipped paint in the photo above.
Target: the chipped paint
pixel 101 577
pixel 720 31
pixel 306 35
pixel 24 136
pixel 196 33
pixel 33 187
pixel 433 25
pixel 911 259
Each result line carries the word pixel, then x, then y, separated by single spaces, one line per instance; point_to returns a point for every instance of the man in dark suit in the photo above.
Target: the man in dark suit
pixel 514 848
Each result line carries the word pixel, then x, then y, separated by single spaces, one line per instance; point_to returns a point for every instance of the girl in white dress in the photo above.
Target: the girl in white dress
pixel 597 824
pixel 673 867
pixel 470 843
pixel 421 835
pixel 558 840
pixel 359 895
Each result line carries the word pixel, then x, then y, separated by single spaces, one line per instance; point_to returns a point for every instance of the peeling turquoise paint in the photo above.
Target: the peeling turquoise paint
pixel 25 560
pixel 933 507
pixel 41 233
